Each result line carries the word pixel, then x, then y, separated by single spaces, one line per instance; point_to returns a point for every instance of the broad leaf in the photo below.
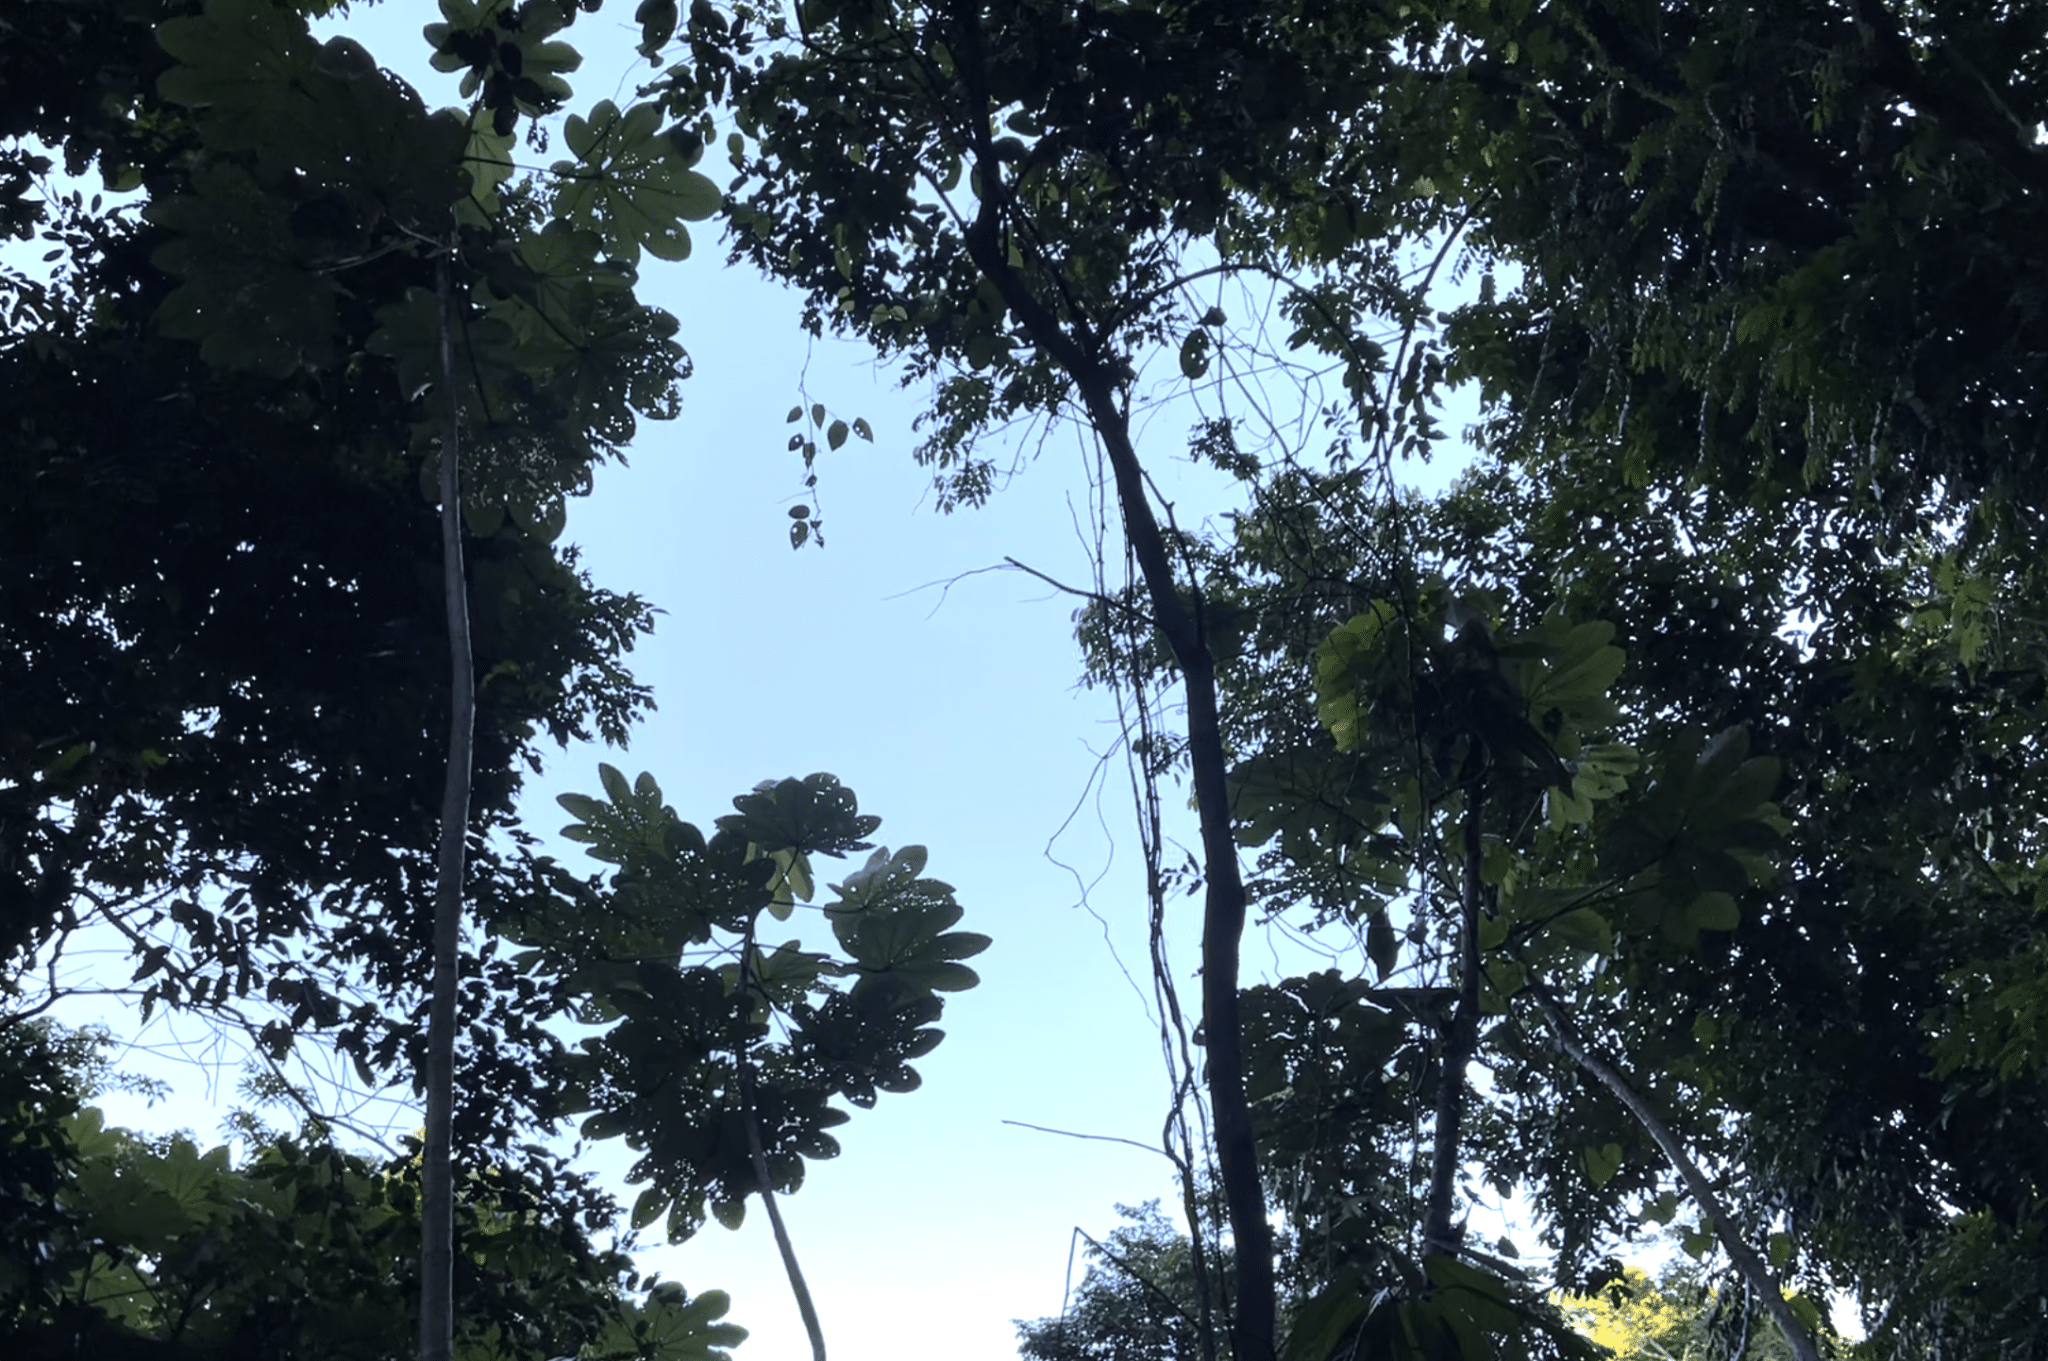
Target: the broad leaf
pixel 630 183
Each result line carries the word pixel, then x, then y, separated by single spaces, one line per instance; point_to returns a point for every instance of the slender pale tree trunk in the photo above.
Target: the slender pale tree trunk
pixel 798 1287
pixel 437 1230
pixel 1754 1270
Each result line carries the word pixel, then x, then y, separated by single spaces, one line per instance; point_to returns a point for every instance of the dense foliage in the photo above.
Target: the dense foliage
pixel 1674 779
pixel 125 1245
pixel 1140 1299
pixel 227 619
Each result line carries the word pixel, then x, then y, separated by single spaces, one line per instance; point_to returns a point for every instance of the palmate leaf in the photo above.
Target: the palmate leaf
pixel 893 925
pixel 683 1329
pixel 239 55
pixel 784 976
pixel 353 125
pixel 628 363
pixel 1349 646
pixel 631 184
pixel 633 824
pixel 324 112
pixel 487 160
pixel 551 270
pixel 508 47
pixel 1703 832
pixel 853 1019
pixel 591 352
pixel 243 294
pixel 671 1326
pixel 816 814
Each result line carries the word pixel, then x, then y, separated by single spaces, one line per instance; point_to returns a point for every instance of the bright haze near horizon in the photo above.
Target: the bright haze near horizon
pixel 945 694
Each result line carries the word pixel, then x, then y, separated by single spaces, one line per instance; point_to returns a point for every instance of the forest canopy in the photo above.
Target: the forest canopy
pixel 1668 783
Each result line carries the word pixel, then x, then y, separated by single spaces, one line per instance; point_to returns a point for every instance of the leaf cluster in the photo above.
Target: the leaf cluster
pixel 715 1042
pixel 155 1246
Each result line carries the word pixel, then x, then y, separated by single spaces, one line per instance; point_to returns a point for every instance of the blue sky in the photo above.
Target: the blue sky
pixel 955 715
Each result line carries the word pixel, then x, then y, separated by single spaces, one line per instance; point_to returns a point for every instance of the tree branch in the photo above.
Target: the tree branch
pixel 1753 1269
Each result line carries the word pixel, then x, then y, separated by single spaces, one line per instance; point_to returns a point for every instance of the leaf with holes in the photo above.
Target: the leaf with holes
pixel 630 184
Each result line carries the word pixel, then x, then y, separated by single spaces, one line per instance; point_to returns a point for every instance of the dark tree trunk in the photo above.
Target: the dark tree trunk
pixel 1461 1039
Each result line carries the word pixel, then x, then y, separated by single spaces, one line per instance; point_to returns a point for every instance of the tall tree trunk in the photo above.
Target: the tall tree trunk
pixel 1223 916
pixel 1461 1038
pixel 437 1228
pixel 1755 1272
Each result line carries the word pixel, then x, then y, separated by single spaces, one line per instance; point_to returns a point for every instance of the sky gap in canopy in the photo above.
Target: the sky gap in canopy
pixel 953 711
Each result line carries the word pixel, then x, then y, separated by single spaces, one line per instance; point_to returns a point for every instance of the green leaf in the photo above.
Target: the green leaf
pixel 1586 667
pixel 68 759
pixel 1485 1300
pixel 581 806
pixel 1321 1324
pixel 487 38
pixel 241 54
pixel 893 924
pixel 1194 354
pixel 816 814
pixel 630 184
pixel 1567 807
pixel 1381 945
pixel 1602 770
pixel 245 294
pixel 487 350
pixel 1714 911
pixel 1584 929
pixel 487 160
pixel 1602 1163
pixel 1338 660
pixel 657 20
pixel 835 434
pixel 650 1205
pixel 673 1327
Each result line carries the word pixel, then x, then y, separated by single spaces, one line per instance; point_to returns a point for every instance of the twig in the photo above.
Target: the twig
pixel 1058 585
pixel 1098 1138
